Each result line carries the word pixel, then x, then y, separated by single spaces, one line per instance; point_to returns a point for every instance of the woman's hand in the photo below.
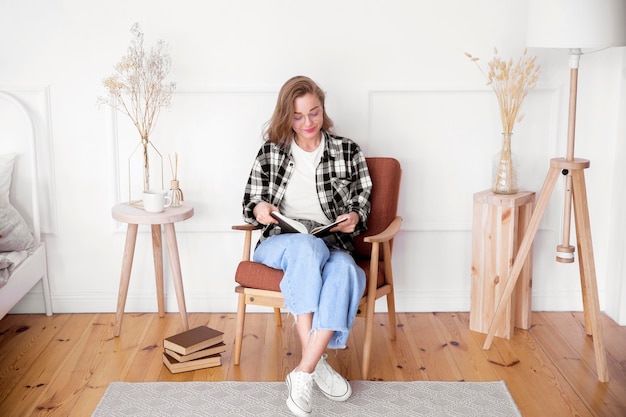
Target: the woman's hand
pixel 349 225
pixel 262 212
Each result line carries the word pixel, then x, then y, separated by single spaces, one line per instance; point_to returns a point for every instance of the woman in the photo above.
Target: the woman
pixel 306 173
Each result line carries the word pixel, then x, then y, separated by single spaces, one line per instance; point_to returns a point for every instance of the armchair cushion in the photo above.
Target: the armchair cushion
pixel 255 275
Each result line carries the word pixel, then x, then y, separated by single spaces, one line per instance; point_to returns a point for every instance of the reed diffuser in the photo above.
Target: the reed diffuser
pixel 176 193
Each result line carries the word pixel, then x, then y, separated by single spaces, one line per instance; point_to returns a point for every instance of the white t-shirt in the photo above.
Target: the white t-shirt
pixel 300 200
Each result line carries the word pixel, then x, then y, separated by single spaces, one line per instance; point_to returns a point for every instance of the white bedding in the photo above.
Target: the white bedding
pixel 16 241
pixel 8 262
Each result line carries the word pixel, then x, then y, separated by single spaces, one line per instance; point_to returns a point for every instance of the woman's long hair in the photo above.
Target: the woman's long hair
pixel 279 129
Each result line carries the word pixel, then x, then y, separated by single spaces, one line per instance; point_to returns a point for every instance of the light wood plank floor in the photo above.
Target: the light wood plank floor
pixel 62 365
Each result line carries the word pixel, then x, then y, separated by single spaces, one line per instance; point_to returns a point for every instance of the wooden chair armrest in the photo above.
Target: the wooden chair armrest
pixel 246 226
pixel 247 240
pixel 386 235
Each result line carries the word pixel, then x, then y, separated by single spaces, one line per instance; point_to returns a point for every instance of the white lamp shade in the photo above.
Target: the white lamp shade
pixel 576 23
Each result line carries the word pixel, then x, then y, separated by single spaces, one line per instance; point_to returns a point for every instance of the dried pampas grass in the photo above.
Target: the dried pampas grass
pixel 511 81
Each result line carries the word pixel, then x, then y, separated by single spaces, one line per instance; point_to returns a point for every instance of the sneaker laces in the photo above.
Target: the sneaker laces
pixel 323 369
pixel 303 386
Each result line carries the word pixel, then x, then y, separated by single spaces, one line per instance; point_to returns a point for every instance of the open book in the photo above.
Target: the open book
pixel 288 225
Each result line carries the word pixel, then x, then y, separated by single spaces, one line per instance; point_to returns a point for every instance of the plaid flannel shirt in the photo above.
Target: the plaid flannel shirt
pixel 343 183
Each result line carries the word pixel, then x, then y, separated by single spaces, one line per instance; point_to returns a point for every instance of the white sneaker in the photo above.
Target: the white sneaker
pixel 300 385
pixel 333 385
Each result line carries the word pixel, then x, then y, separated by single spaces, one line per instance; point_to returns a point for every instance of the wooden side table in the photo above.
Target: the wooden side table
pixel 134 216
pixel 499 224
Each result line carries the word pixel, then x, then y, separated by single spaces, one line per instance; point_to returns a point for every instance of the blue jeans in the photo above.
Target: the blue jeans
pixel 317 279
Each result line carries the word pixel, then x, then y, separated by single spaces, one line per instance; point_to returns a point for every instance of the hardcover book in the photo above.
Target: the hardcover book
pixel 219 348
pixel 193 340
pixel 175 366
pixel 288 225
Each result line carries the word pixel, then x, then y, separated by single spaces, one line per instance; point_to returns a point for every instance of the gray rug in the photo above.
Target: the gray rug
pixel 193 399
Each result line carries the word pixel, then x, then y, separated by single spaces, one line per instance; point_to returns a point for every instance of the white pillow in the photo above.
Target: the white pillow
pixel 6 171
pixel 14 233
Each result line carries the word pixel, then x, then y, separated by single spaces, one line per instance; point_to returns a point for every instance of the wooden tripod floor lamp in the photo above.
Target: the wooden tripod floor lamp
pixel 574 25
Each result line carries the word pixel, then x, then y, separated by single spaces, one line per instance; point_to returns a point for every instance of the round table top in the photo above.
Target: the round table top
pixel 135 214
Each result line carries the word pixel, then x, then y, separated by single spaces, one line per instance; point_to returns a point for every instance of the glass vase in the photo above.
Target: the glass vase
pixel 145 162
pixel 505 168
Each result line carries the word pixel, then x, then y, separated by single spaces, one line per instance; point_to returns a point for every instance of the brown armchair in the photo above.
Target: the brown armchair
pixel 259 284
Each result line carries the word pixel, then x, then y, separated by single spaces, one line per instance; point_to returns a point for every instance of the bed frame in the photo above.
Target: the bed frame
pixel 34 268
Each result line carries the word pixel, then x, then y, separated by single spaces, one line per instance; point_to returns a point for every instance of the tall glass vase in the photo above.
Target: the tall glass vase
pixel 505 168
pixel 147 158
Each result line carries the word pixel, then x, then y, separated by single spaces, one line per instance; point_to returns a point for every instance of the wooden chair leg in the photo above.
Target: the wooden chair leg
pixel 391 299
pixel 367 344
pixel 241 318
pixel 391 315
pixel 279 320
pixel 369 314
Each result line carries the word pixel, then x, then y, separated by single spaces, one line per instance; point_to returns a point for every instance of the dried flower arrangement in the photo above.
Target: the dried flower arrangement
pixel 511 82
pixel 138 89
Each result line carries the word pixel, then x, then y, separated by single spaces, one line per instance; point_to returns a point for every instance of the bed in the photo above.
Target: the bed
pixel 22 252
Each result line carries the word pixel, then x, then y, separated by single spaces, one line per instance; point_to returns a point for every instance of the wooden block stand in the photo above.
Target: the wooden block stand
pixel 499 224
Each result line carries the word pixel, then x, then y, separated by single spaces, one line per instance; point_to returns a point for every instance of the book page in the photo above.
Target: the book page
pixel 288 225
pixel 322 231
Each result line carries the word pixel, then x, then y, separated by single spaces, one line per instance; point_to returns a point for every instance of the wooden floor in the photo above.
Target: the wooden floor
pixel 62 365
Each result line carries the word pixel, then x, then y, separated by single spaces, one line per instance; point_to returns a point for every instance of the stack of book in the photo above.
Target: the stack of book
pixel 196 348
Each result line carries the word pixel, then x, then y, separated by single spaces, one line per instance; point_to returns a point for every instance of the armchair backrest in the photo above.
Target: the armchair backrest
pixel 385 174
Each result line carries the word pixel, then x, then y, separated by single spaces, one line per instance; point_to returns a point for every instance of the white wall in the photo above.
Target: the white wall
pixel 397 82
